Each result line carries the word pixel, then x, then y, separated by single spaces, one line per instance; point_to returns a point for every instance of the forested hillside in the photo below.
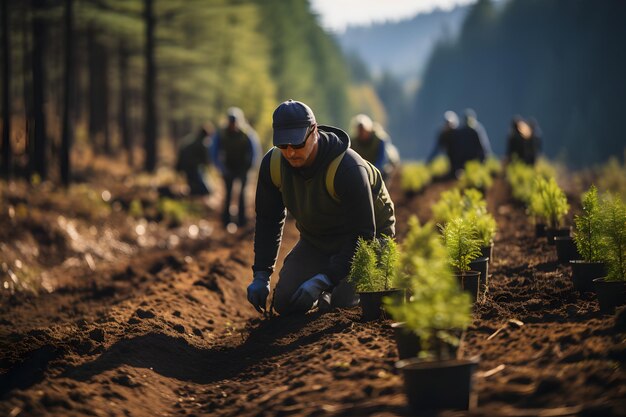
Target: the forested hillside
pixel 144 73
pixel 402 48
pixel 561 61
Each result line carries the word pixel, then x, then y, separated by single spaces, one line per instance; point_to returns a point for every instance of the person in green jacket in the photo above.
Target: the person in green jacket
pixel 374 145
pixel 234 150
pixel 335 197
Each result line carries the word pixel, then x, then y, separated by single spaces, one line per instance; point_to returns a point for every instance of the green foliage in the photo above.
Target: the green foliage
pixel 437 306
pixel 415 176
pixel 548 202
pixel 587 234
pixel 613 226
pixel 485 226
pixel 440 166
pixel 475 175
pixel 493 165
pixel 135 209
pixel 521 178
pixel 462 244
pixel 612 177
pixel 374 264
pixel 453 203
pixel 175 211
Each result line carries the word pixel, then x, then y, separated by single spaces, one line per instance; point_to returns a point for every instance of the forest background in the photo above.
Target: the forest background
pixel 133 77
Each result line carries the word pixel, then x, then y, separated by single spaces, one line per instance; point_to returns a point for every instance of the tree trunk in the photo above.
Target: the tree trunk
pixel 124 126
pixel 6 92
pixel 29 115
pixel 67 135
pixel 39 46
pixel 98 93
pixel 149 93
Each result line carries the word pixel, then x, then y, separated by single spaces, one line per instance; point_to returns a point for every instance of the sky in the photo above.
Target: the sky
pixel 335 15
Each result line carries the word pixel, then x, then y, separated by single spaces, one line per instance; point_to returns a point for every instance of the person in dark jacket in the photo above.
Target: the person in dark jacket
pixel 234 150
pixel 523 143
pixel 469 143
pixel 329 221
pixel 446 136
pixel 193 159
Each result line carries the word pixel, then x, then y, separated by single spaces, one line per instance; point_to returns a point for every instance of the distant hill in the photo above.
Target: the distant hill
pixel 402 48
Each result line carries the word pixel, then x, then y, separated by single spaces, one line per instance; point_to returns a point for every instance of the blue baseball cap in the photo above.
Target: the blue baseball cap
pixel 291 120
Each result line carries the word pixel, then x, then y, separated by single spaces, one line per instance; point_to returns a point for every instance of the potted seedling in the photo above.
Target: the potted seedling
pixel 439 168
pixel 589 242
pixel 611 290
pixel 373 272
pixel 549 203
pixel 475 175
pixel 422 258
pixel 485 226
pixel 436 315
pixel 415 177
pixel 460 240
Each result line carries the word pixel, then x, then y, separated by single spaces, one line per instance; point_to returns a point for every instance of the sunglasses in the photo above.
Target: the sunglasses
pixel 303 144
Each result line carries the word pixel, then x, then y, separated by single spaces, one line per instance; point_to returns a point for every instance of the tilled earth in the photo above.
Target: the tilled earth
pixel 166 331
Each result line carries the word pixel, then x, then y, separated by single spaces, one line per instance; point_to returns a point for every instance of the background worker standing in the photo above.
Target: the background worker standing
pixel 234 150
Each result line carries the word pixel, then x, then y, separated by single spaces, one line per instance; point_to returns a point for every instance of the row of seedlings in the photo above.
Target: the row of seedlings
pixel 414 284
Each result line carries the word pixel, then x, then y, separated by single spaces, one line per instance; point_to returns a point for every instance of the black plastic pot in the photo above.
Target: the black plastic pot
pixel 583 274
pixel 566 249
pixel 487 252
pixel 540 230
pixel 470 282
pixel 372 303
pixel 437 385
pixel 408 343
pixel 610 294
pixel 481 265
pixel 551 233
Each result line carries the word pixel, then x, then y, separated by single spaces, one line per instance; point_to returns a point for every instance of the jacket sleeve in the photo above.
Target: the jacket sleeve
pixel 354 191
pixel 270 219
pixel 215 152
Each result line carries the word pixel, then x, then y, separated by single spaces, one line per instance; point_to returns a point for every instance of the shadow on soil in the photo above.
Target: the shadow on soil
pixel 174 357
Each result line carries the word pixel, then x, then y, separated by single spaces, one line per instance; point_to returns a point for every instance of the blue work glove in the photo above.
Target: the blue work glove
pixel 308 293
pixel 259 290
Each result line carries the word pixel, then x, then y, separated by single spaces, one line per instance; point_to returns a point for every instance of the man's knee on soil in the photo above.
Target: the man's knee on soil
pixel 282 303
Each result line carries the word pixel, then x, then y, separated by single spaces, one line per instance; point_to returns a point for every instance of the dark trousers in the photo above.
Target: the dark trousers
pixel 301 263
pixel 241 208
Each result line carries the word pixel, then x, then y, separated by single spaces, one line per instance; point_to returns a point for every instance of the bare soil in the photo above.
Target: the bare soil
pixel 164 328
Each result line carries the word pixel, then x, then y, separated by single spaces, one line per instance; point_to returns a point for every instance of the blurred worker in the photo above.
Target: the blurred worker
pixel 446 136
pixel 469 143
pixel 373 144
pixel 234 150
pixel 193 160
pixel 335 197
pixel 522 144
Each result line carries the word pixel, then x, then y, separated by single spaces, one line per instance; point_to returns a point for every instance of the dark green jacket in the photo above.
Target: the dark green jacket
pixel 364 207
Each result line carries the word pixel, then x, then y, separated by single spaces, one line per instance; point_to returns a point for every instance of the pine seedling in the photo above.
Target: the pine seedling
pixel 461 242
pixel 363 271
pixel 485 226
pixel 613 226
pixel 549 202
pixel 387 260
pixel 374 264
pixel 475 175
pixel 587 235
pixel 437 306
pixel 415 176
